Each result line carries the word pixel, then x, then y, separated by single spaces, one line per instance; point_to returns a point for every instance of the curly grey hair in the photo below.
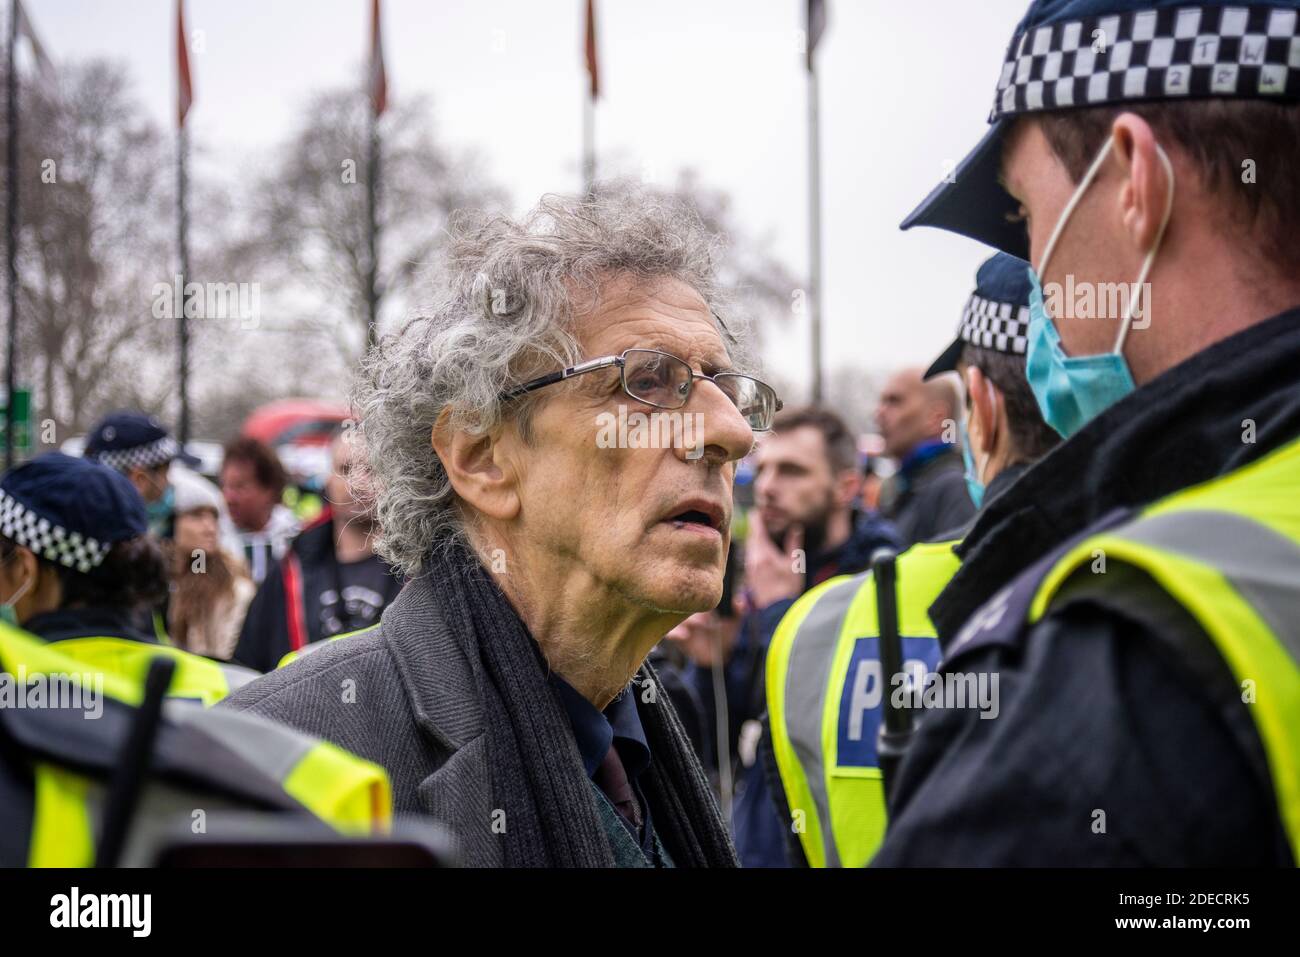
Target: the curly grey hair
pixel 502 310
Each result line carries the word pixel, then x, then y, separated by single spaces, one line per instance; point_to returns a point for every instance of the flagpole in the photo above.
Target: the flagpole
pixel 372 217
pixel 815 230
pixel 589 103
pixel 589 143
pixel 184 100
pixel 11 232
pixel 183 245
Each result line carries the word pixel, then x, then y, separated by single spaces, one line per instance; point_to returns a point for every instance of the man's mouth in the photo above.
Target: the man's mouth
pixel 700 517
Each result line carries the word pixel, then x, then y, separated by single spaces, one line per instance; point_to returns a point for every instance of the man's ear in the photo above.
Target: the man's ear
pixel 1146 189
pixel 847 485
pixel 478 468
pixel 984 408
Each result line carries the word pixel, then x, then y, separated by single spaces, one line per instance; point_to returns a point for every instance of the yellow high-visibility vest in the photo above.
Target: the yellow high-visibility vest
pixel 348 793
pixel 1228 551
pixel 203 679
pixel 825 690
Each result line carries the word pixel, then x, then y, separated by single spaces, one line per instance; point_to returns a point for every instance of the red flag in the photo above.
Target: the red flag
pixel 378 78
pixel 184 82
pixel 593 69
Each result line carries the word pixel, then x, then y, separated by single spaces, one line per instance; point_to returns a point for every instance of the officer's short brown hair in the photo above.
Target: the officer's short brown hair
pixel 1219 136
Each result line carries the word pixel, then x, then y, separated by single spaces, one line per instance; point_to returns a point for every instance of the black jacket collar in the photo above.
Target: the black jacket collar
pixel 64 623
pixel 1186 426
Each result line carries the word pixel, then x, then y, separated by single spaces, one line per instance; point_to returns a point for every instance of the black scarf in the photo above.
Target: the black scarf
pixel 538 779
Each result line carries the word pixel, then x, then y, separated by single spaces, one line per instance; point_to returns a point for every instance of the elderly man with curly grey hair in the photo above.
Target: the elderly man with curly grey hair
pixel 552 446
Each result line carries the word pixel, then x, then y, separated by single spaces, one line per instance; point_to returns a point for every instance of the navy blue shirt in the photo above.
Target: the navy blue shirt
pixel 619 727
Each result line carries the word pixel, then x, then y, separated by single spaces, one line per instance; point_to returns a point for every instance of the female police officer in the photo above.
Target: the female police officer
pixel 77 565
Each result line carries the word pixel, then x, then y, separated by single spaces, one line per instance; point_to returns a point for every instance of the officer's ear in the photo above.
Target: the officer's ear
pixel 985 402
pixel 1146 189
pixel 479 466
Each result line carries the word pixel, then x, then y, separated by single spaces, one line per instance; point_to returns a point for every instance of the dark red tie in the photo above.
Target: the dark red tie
pixel 611 778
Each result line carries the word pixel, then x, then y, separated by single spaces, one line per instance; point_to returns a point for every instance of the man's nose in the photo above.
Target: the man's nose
pixel 718 432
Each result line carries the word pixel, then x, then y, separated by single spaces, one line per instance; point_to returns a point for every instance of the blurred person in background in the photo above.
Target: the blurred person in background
pixel 210 586
pixel 252 482
pixel 139 447
pixel 330 581
pixel 704 641
pixel 926 496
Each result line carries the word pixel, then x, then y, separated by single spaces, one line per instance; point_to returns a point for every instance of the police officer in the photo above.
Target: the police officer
pixel 62 776
pixel 824 669
pixel 138 446
pixel 1138 591
pixel 77 564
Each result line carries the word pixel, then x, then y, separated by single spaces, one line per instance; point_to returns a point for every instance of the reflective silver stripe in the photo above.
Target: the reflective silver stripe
pixel 807 671
pixel 237 676
pixel 1260 563
pixel 275 749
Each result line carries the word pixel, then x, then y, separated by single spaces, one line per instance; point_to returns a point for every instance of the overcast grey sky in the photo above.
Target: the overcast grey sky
pixel 714 85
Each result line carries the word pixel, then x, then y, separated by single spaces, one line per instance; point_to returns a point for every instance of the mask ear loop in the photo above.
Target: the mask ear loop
pixel 1151 256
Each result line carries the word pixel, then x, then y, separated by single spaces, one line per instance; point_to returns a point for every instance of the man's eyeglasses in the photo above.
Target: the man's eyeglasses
pixel 664 381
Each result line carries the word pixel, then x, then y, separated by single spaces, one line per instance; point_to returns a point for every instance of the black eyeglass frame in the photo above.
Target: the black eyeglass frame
pixel 607 362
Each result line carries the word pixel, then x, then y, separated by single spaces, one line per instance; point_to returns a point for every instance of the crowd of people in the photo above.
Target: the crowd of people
pixel 1061 629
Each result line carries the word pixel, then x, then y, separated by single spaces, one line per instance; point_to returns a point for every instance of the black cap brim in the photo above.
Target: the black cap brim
pixel 191 461
pixel 947 361
pixel 972 201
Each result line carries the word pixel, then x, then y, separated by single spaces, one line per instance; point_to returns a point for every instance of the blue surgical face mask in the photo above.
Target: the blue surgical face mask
pixel 161 510
pixel 8 613
pixel 974 487
pixel 1073 390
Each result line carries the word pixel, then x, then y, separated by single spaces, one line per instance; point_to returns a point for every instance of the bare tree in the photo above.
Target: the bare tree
pixel 310 229
pixel 92 233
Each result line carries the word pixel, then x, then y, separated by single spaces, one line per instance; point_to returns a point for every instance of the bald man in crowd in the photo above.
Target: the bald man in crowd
pixel 926 498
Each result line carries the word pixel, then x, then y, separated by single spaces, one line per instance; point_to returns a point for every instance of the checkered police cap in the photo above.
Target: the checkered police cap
pixel 52 542
pixel 1000 326
pixel 996 316
pixel 1072 54
pixel 126 440
pixel 1191 51
pixel 69 511
pixel 158 452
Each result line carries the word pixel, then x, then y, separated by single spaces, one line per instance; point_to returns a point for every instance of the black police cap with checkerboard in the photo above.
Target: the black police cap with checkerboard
pixel 69 511
pixel 127 440
pixel 1070 54
pixel 996 316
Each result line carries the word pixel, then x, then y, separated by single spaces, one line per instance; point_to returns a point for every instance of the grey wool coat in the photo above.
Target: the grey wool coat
pixel 412 707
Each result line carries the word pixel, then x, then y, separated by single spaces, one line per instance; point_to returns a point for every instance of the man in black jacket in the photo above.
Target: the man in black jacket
pixel 330 583
pixel 926 497
pixel 1124 737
